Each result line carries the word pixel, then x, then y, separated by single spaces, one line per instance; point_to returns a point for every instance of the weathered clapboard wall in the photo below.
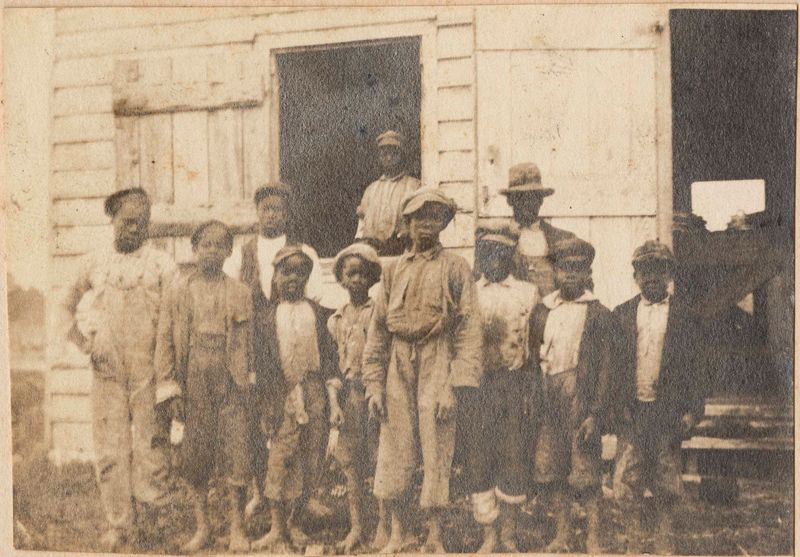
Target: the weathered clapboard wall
pixel 182 103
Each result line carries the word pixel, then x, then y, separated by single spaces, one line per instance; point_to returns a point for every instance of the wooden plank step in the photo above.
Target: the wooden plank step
pixel 716 443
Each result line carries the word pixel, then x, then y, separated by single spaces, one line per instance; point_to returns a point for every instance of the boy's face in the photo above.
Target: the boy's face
pixel 213 248
pixel 425 225
pixel 356 277
pixel 526 207
pixel 272 213
pixel 653 279
pixel 391 159
pixel 495 260
pixel 573 275
pixel 130 224
pixel 291 277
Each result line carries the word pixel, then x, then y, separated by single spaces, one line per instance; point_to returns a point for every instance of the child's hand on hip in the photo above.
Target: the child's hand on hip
pixel 445 404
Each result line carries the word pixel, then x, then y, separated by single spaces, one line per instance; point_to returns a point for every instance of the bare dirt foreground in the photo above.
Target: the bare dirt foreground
pixel 59 509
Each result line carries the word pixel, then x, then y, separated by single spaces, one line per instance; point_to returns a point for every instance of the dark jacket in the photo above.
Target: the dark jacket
pixel 551 236
pixel 680 388
pixel 595 373
pixel 271 387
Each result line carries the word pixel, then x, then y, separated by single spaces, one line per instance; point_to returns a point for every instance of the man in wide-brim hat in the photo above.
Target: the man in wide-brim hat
pixel 525 194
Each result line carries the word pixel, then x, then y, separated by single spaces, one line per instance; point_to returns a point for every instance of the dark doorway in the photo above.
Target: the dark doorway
pixel 334 102
pixel 733 103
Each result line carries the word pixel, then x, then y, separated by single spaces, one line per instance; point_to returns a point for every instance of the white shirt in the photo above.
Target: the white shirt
pixel 563 331
pixel 296 328
pixel 266 248
pixel 506 307
pixel 532 241
pixel 651 328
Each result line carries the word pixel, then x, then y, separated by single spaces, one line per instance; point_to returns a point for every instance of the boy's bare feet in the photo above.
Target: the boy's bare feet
pixel 299 538
pixel 238 542
pixel 381 531
pixel 271 541
pixel 434 542
pixel 350 541
pixel 253 505
pixel 112 540
pixel 198 541
pixel 489 544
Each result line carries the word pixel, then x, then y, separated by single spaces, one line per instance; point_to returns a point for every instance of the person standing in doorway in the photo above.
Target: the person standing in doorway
pixel 126 282
pixel 379 220
pixel 525 194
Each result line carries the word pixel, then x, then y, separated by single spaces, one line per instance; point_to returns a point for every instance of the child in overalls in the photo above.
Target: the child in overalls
pixel 498 466
pixel 297 371
pixel 124 285
pixel 572 335
pixel 424 342
pixel 357 268
pixel 204 364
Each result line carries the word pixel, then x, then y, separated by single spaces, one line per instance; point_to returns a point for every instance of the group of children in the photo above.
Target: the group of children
pixel 263 382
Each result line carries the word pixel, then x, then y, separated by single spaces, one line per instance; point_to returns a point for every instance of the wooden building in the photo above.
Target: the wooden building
pixel 199 106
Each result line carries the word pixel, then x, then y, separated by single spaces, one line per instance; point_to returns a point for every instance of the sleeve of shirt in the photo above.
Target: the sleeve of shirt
pixel 167 383
pixel 233 265
pixel 80 286
pixel 465 367
pixel 314 287
pixel 376 350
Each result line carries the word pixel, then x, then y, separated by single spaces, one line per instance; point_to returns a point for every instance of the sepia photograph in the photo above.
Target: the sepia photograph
pixel 423 279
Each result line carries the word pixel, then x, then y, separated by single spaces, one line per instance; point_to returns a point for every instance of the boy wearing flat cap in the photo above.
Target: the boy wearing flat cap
pixel 660 394
pixel 497 468
pixel 297 371
pixel 424 342
pixel 379 220
pixel 127 282
pixel 572 334
pixel 526 194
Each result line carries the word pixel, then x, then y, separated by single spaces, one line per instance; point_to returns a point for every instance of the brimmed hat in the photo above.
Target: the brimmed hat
pixel 114 201
pixel 504 234
pixel 288 251
pixel 360 249
pixel 273 188
pixel 526 178
pixel 572 247
pixel 652 251
pixel 390 138
pixel 414 201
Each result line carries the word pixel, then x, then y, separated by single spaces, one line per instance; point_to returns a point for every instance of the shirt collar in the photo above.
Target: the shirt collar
pixel 646 302
pixel 271 242
pixel 554 299
pixel 429 254
pixel 535 226
pixel 340 312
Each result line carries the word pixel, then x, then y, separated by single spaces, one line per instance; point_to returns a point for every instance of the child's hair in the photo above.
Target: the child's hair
pixel 197 235
pixel 374 271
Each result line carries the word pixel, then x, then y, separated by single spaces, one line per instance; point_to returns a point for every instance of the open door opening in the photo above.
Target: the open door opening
pixel 334 102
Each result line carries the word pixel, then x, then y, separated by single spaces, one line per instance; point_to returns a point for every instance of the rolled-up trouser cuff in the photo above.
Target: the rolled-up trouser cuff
pixel 484 507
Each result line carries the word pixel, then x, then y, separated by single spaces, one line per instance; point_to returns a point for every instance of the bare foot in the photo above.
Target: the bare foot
pixel 350 541
pixel 558 545
pixel 433 547
pixel 112 540
pixel 593 545
pixel 299 538
pixel 381 536
pixel 489 544
pixel 395 544
pixel 253 505
pixel 198 542
pixel 238 542
pixel 270 540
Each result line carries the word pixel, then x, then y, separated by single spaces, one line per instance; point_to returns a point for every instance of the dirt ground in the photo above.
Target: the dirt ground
pixel 60 510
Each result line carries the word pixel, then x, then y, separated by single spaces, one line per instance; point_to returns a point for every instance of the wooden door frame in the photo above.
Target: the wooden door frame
pixel 267 47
